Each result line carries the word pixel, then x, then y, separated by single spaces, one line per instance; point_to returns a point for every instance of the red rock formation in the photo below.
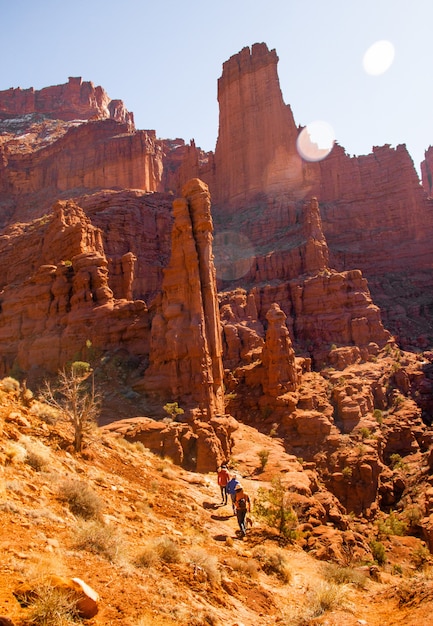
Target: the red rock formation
pixel 186 349
pixel 255 151
pixel 198 445
pixel 93 155
pixel 278 356
pixel 427 171
pixel 74 100
pixel 56 294
pixel 375 214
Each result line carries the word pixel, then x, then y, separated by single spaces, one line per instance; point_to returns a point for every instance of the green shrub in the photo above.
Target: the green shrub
pixel 378 551
pixel 392 525
pixel 421 556
pixel 365 433
pixel 397 462
pixel 273 506
pixel 263 457
pixel 173 410
pixel 378 416
pixel 347 471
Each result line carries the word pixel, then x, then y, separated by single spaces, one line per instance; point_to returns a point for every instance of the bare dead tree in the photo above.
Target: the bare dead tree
pixel 74 397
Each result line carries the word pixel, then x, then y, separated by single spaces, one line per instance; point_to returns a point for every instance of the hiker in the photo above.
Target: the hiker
pixel 223 479
pixel 243 505
pixel 231 490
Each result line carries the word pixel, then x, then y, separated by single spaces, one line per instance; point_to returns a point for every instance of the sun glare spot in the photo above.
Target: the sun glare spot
pixel 315 141
pixel 234 255
pixel 378 58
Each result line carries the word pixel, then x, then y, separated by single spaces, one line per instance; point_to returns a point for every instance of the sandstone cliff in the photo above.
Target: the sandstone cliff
pixel 375 215
pixel 76 100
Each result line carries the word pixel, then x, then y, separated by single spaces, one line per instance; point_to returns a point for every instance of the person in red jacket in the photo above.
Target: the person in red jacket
pixel 223 479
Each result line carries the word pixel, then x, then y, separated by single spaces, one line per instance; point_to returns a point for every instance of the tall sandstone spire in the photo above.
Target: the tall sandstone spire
pixel 256 147
pixel 186 348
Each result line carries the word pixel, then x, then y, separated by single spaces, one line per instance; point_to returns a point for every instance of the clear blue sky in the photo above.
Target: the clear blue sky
pixel 163 59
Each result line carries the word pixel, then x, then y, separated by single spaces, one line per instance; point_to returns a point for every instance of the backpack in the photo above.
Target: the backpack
pixel 242 504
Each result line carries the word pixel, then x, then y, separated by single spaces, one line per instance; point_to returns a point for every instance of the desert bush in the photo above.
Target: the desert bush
pixel 273 506
pixel 207 562
pixel 263 458
pixel 327 597
pixel 392 525
pixel 378 551
pixel 273 562
pixel 147 556
pixel 37 454
pixel 246 567
pixel 9 385
pixel 168 550
pixel 100 539
pixel 344 575
pixel 81 499
pixel 52 607
pixel 37 461
pixel 14 452
pixel 420 556
pixel 413 515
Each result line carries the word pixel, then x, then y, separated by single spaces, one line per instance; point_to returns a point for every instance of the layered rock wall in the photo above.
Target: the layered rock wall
pixel 102 154
pixel 74 100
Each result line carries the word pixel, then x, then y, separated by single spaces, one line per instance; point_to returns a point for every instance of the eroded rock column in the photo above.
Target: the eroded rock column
pixel 186 348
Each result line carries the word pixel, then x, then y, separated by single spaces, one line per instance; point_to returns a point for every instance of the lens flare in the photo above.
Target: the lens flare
pixel 234 255
pixel 378 58
pixel 315 141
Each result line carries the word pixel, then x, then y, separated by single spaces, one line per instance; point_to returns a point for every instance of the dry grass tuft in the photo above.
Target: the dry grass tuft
pixel 273 562
pixel 327 597
pixel 207 563
pixel 52 607
pixel 247 567
pixel 44 412
pixel 344 575
pixel 168 550
pixel 99 539
pixel 81 499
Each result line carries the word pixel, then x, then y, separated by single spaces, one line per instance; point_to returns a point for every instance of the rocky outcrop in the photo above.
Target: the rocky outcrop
pixel 76 100
pixel 70 279
pixel 278 356
pixel 197 445
pixel 186 348
pixel 84 599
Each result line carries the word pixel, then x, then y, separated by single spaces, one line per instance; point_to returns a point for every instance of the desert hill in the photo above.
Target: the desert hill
pixel 154 543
